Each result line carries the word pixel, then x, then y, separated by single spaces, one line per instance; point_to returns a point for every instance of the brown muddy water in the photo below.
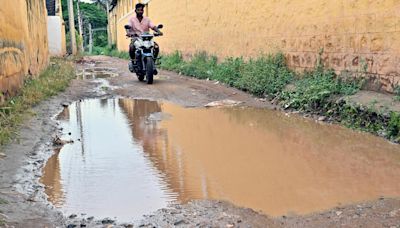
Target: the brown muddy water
pixel 132 157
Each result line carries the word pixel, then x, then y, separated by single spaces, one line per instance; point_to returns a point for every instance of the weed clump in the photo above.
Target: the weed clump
pixel 314 90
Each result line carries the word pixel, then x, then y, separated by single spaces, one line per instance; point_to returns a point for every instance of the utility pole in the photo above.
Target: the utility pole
pixel 80 28
pixel 90 39
pixel 72 26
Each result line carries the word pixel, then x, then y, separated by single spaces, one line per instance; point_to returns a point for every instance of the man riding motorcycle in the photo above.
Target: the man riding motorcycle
pixel 139 25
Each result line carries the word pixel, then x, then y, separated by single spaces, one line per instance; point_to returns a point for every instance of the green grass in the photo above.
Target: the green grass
pixel 396 92
pixel 110 51
pixel 201 66
pixel 50 82
pixel 3 201
pixel 315 89
pixel 172 62
pixel 2 221
pixel 266 75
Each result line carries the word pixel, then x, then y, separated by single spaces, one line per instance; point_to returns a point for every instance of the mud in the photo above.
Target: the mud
pixel 24 159
pixel 96 72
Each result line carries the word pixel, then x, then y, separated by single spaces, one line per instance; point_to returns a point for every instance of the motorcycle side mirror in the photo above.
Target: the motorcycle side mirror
pixel 127 27
pixel 160 26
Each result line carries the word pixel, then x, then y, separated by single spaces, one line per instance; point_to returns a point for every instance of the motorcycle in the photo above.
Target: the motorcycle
pixel 145 59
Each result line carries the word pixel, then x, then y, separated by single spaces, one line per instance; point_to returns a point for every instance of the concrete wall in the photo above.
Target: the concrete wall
pixel 351 32
pixel 56 37
pixel 23 42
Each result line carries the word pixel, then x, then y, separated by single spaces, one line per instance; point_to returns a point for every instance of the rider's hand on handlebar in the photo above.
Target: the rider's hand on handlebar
pixel 131 35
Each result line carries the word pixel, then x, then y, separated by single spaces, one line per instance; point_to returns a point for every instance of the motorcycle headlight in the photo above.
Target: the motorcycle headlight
pixel 138 43
pixel 147 44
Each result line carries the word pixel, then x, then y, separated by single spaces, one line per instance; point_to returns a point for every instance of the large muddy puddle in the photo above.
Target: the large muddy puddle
pixel 132 157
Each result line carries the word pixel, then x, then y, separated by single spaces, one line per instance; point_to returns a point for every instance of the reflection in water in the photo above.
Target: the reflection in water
pixel 265 160
pixel 52 180
pixel 105 172
pixel 136 160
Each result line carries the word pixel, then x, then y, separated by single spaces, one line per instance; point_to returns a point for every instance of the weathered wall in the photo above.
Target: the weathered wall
pixel 54 29
pixel 350 31
pixel 23 42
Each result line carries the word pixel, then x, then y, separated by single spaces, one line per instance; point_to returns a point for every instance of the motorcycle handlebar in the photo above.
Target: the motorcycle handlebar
pixel 135 35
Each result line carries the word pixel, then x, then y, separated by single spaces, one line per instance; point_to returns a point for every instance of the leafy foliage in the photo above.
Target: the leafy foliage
pixel 265 76
pixel 394 127
pixel 93 13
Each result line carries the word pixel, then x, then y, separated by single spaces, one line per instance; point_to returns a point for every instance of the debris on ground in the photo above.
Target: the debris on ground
pixel 57 141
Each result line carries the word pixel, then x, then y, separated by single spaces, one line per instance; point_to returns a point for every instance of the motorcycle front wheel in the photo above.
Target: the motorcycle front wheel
pixel 140 77
pixel 149 70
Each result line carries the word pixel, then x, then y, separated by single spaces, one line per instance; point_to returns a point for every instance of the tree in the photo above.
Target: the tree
pixel 92 13
pixel 102 3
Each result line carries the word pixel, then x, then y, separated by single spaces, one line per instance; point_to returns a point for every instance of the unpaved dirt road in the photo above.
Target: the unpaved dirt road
pixel 23 202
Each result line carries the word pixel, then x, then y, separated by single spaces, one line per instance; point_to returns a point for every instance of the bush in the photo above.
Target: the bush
pixel 200 66
pixel 229 71
pixel 266 75
pixel 172 61
pixel 315 88
pixel 394 127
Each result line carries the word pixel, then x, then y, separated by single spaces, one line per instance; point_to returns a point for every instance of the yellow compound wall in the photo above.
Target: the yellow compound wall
pixel 352 33
pixel 23 42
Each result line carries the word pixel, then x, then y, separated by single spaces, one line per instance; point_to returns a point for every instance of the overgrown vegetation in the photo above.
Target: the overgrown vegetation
pixel 264 76
pixel 397 93
pixel 318 92
pixel 314 90
pixel 53 80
